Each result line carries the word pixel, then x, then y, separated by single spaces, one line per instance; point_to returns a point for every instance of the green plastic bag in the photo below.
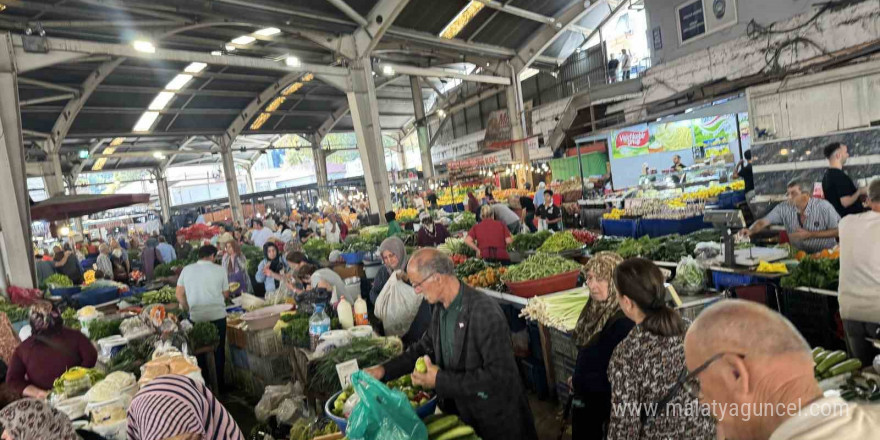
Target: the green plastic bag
pixel 383 413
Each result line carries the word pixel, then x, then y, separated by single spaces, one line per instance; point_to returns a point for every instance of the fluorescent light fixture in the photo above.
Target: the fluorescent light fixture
pixel 117 141
pixel 161 100
pixel 268 32
pixel 387 70
pixel 688 110
pixel 292 61
pixel 109 150
pixel 230 48
pixel 195 67
pixel 243 40
pixel 442 113
pixel 64 231
pixel 178 82
pixel 145 123
pixel 99 164
pixel 144 46
pixel 216 53
pixel 461 20
pixel 308 77
pixel 159 155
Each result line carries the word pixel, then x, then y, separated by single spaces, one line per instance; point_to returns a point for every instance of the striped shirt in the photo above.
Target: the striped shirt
pixel 819 216
pixel 173 405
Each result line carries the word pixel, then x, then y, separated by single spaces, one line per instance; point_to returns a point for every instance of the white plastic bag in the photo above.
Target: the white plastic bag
pixel 251 302
pixel 397 306
pixel 272 397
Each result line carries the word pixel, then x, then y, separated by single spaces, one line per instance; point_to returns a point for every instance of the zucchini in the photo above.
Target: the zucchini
pixel 848 395
pixel 831 360
pixel 432 418
pixel 820 357
pixel 459 431
pixel 874 397
pixel 816 351
pixel 845 367
pixel 442 424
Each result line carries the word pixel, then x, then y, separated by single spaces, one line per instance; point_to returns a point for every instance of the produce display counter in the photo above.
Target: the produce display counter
pixel 725 277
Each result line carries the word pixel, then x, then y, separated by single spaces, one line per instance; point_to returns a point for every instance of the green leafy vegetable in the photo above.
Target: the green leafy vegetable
pixel 366 351
pixel 101 328
pixel 203 334
pixel 14 312
pixel 58 280
pixel 528 242
pixel 539 266
pixel 165 295
pixel 819 273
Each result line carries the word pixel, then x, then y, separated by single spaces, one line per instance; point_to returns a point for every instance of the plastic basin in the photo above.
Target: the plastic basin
pixel 264 318
pixel 353 257
pixel 543 286
pixel 422 411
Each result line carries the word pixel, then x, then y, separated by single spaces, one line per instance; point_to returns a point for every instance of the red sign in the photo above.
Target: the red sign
pixel 632 139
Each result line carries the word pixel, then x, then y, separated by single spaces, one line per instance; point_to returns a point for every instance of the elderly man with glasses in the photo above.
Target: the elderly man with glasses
pixel 755 371
pixel 468 353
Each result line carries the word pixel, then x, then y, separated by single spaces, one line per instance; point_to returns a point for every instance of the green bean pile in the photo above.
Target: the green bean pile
pixel 560 242
pixel 539 266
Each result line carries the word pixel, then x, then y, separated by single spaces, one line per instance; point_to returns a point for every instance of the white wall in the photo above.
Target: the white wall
pixel 663 13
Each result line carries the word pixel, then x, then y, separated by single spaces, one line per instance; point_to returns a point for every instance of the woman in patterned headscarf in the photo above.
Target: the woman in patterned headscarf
pixel 176 406
pixel 601 326
pixel 32 419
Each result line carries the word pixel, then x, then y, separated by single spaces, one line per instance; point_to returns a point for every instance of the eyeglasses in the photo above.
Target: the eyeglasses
pixel 688 382
pixel 418 285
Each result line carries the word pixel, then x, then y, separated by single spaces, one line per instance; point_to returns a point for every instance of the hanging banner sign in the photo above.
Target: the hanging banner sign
pixel 715 130
pixel 498 158
pixel 671 136
pixel 630 141
pixel 498 130
pixel 536 151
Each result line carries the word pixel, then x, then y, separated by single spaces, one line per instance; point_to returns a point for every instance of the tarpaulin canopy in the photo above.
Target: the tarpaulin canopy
pixel 65 207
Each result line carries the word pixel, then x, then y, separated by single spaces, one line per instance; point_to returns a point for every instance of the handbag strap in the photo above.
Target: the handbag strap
pixel 61 349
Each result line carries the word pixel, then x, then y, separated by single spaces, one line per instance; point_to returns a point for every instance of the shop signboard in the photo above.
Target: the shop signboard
pixel 497 158
pixel 671 136
pixel 691 20
pixel 498 130
pixel 536 151
pixel 630 141
pixel 698 18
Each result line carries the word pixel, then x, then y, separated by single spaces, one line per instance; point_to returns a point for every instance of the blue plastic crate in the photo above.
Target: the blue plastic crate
pixel 239 357
pixel 724 280
pixel 353 257
pixel 658 228
pixel 453 208
pixel 65 292
pixel 729 199
pixel 620 228
pixel 96 296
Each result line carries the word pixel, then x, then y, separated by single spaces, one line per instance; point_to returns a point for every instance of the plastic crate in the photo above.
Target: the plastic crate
pixel 658 228
pixel 264 342
pixel 730 199
pixel 620 228
pixel 563 368
pixel 725 280
pixel 562 344
pixel 535 378
pixel 543 286
pixel 239 357
pixel 235 336
pixel 96 296
pixel 353 258
pixel 65 292
pixel 562 392
pixel 535 348
pixel 270 367
pixel 815 316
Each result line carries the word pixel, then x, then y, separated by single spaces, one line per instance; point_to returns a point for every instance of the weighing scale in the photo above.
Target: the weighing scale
pixel 730 221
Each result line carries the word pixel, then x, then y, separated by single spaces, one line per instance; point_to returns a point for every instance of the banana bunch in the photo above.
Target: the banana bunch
pixel 739 185
pixel 407 214
pixel 89 277
pixel 615 214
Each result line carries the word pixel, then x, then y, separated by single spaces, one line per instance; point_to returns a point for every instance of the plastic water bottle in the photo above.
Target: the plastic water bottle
pixel 319 324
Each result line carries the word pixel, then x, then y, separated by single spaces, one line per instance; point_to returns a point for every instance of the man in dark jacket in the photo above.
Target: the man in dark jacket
pixel 475 374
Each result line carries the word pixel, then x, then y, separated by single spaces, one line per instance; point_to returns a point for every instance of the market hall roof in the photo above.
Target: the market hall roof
pixel 120 89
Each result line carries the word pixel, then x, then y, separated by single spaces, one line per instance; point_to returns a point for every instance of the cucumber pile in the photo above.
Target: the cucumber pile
pixel 833 363
pixel 448 427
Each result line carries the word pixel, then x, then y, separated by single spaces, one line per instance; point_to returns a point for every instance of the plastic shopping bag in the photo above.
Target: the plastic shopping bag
pixel 382 414
pixel 397 306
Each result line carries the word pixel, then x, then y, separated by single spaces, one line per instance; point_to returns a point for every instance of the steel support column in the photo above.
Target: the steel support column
pixel 251 184
pixel 321 171
pixel 421 129
pixel 365 116
pixel 517 117
pixel 77 221
pixel 55 182
pixel 164 195
pixel 15 216
pixel 231 180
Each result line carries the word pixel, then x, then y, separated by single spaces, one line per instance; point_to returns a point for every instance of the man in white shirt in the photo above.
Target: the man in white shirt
pixel 624 64
pixel 260 235
pixel 202 289
pixel 860 277
pixel 755 373
pixel 166 250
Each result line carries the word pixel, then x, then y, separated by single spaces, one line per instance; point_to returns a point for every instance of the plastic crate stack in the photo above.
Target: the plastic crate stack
pixel 564 357
pixel 258 359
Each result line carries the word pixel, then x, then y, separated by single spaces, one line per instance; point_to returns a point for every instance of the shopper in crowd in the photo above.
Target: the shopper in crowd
pixel 330 281
pixel 35 419
pixel 259 233
pixel 332 230
pixel 468 352
pixel 296 260
pixel 235 265
pixel 539 194
pixel 166 250
pixel 431 233
pixel 757 372
pixel 625 61
pixel 103 263
pixel 860 277
pixel 528 210
pixel 612 66
pixel 270 270
pixel 811 223
pixel 505 215
pixel 120 264
pixel 184 249
pixel 285 234
pixel 744 170
pixel 51 350
pixel 44 268
pixel 177 407
pixel 489 238
pixel 393 253
pixel 549 213
pixel 150 258
pixel 66 263
pixel 601 326
pixel 432 200
pixel 647 363
pixel 305 232
pixel 202 289
pixel 393 225
pixel 472 205
pixel 838 187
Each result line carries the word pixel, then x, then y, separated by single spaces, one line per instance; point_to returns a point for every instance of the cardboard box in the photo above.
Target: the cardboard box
pixel 347 271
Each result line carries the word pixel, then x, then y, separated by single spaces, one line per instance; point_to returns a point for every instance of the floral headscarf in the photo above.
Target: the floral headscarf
pixel 44 318
pixel 32 419
pixel 597 313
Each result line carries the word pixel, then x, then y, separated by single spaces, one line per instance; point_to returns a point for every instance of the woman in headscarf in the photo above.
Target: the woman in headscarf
pixel 33 419
pixel 270 270
pixel 431 234
pixel 175 406
pixel 601 326
pixel 150 258
pixel 329 280
pixel 332 230
pixel 47 354
pixel 393 253
pixel 235 265
pixel 539 194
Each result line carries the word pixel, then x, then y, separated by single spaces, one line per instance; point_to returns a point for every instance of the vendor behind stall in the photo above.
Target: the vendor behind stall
pixel 47 354
pixel 430 234
pixel 489 238
pixel 811 223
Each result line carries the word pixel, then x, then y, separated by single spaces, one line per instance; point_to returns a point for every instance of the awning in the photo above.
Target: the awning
pixel 65 207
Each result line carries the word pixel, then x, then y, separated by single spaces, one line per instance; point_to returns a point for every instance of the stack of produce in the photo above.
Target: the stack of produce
pixel 637 247
pixel 463 221
pixel 374 234
pixel 295 329
pixel 407 215
pixel 305 429
pixel 471 267
pixel 584 236
pixel 165 295
pixel 605 244
pixel 454 195
pixel 358 243
pixel 557 311
pixel 58 280
pixel 525 242
pixel 88 277
pixel 75 382
pixel 102 328
pixel 168 269
pixel 132 356
pixel 199 232
pixel 560 242
pixel 454 246
pixel 203 334
pixel 14 312
pixel 70 319
pixel 814 272
pixel 571 190
pixel 448 427
pixel 615 214
pixel 489 278
pixel 373 351
pixel 503 194
pixel 458 259
pixel 539 266
pixel 254 256
pixel 830 363
pixel 316 249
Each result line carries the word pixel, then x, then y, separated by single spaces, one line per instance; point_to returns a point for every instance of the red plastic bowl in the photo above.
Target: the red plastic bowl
pixel 543 286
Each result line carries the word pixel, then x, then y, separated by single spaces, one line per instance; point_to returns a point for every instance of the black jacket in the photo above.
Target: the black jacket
pixel 591 369
pixel 482 383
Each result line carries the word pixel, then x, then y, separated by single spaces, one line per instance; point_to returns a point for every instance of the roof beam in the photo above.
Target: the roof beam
pixel 446 73
pixel 379 20
pixel 349 12
pixel 541 40
pixel 47 85
pixel 45 99
pixel 519 12
pixel 253 108
pixel 77 169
